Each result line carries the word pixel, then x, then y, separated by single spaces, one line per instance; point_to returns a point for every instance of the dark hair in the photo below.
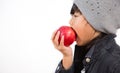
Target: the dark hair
pixel 74 9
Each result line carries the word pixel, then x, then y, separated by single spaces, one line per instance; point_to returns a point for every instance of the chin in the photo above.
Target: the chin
pixel 80 43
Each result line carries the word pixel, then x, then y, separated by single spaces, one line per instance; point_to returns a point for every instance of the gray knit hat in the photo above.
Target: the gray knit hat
pixel 103 15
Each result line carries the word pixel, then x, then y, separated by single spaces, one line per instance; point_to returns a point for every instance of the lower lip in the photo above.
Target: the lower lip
pixel 76 39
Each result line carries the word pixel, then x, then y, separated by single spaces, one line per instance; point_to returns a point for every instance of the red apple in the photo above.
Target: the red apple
pixel 68 33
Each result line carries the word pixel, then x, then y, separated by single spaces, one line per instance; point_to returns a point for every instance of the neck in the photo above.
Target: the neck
pixel 97 36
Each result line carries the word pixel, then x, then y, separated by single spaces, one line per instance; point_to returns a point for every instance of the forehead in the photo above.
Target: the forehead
pixel 77 13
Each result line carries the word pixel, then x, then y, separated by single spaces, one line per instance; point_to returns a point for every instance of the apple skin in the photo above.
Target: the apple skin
pixel 68 33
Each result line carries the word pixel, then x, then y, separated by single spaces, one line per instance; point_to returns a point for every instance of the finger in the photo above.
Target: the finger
pixel 53 35
pixel 56 38
pixel 62 41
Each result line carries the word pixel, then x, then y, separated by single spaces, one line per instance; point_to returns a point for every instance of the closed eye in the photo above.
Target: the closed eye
pixel 75 15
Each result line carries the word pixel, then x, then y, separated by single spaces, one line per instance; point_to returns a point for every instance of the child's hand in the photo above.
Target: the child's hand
pixel 66 51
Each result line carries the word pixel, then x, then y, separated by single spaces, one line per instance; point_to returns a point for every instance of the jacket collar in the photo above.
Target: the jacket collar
pixel 95 51
pixel 92 49
pixel 103 44
pixel 100 42
pixel 90 52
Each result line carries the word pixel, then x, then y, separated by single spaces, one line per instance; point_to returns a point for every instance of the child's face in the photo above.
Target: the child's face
pixel 82 28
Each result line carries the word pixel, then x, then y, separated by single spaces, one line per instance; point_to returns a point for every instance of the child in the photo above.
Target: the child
pixel 95 23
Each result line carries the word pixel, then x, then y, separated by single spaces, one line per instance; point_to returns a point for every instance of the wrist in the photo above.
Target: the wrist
pixel 67 61
pixel 67 54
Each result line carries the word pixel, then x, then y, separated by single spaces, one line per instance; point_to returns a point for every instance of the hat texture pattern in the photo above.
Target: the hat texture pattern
pixel 103 15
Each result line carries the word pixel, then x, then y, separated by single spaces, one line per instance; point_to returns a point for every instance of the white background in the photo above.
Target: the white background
pixel 26 27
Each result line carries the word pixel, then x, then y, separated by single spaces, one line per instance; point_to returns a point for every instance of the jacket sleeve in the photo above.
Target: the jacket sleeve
pixel 60 69
pixel 77 66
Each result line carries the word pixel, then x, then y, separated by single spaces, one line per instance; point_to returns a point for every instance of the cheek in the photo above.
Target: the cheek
pixel 82 34
pixel 80 24
pixel 79 27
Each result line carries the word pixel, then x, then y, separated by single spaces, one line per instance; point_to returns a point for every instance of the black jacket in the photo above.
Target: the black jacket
pixel 105 58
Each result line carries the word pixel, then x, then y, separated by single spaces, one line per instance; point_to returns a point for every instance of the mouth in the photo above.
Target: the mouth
pixel 76 37
pixel 75 33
